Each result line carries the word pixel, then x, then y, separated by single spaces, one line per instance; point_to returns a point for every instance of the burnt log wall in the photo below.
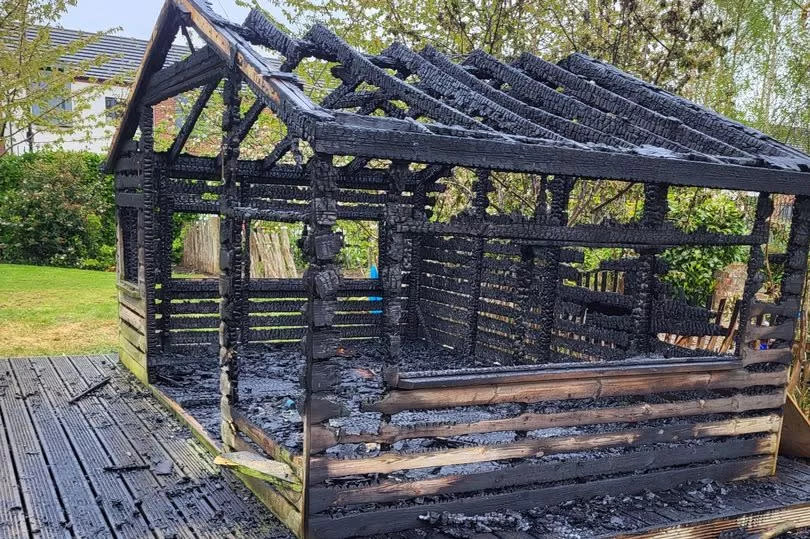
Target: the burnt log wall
pixel 187 312
pixel 506 439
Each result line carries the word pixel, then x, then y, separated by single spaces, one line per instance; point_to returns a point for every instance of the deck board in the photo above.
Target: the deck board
pixel 137 484
pixel 203 481
pixel 42 505
pixel 96 468
pixel 12 515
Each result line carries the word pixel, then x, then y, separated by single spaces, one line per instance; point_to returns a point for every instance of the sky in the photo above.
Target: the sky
pixel 136 18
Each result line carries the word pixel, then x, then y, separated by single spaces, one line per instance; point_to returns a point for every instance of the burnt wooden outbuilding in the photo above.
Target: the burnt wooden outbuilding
pixel 492 375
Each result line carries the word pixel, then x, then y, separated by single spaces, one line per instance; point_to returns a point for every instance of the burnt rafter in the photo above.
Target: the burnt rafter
pixel 541 96
pixel 600 98
pixel 359 68
pixel 466 99
pixel 200 68
pixel 191 120
pixel 697 117
pixel 572 130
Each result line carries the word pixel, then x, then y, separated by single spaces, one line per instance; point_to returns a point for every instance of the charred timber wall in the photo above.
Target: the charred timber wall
pixel 494 444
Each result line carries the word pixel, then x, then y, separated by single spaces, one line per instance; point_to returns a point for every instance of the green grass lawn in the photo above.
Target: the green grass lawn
pixel 52 311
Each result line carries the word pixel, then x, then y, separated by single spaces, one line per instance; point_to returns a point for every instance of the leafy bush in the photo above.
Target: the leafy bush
pixel 692 269
pixel 58 209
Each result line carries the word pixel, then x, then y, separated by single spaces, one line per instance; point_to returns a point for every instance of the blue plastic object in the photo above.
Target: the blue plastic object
pixel 374 273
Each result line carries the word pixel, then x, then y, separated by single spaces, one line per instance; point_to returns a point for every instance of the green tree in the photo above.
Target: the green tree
pixel 57 209
pixel 692 269
pixel 764 80
pixel 35 85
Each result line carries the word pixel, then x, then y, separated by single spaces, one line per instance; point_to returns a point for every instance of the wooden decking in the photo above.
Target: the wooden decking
pixel 114 463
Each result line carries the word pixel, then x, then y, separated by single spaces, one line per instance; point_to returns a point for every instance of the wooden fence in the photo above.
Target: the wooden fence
pixel 270 251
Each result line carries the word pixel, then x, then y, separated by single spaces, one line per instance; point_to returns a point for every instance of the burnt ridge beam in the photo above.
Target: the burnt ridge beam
pixel 597 97
pixel 667 104
pixel 258 29
pixel 444 147
pixel 191 120
pixel 472 101
pixel 361 68
pixel 266 34
pixel 541 96
pixel 198 69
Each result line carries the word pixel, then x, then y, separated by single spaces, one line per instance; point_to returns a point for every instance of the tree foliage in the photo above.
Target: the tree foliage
pixel 34 83
pixel 56 209
pixel 692 269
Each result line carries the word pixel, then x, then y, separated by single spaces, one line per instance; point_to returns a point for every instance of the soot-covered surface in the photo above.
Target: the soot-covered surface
pixel 606 516
pixel 270 395
pixel 270 388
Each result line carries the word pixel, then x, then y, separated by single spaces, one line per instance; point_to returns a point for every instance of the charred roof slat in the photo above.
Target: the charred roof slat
pixel 603 99
pixel 334 48
pixel 542 96
pixel 571 129
pixel 472 101
pixel 630 133
pixel 655 98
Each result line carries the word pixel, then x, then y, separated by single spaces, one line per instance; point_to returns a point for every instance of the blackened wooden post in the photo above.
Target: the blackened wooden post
pixel 756 262
pixel 524 297
pixel 483 186
pixel 545 265
pixel 654 214
pixel 164 221
pixel 230 262
pixel 391 260
pixel 420 213
pixel 149 244
pixel 320 245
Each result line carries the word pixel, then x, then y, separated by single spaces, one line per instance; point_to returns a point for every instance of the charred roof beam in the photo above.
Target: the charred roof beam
pixel 607 101
pixel 691 114
pixel 539 95
pixel 466 99
pixel 331 47
pixel 198 69
pixel 191 120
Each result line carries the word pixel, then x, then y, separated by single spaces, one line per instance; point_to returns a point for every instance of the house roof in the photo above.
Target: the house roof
pixel 127 53
pixel 578 117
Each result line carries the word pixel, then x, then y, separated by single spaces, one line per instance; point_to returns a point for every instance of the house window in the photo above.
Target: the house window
pixel 114 108
pixel 50 111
